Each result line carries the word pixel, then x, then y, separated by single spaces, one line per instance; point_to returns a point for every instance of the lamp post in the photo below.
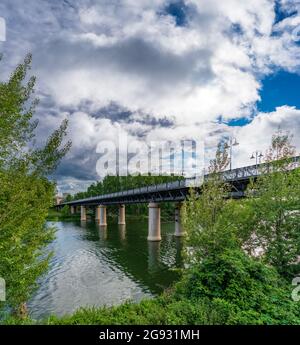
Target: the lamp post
pixel 232 142
pixel 182 158
pixel 257 155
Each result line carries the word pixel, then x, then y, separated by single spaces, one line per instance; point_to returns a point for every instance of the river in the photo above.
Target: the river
pixel 92 266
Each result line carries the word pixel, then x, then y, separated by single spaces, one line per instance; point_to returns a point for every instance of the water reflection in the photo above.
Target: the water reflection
pixel 83 224
pixel 105 265
pixel 102 230
pixel 122 232
pixel 153 256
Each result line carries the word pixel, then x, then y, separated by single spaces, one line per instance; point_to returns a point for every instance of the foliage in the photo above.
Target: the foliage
pixel 274 199
pixel 267 222
pixel 207 220
pixel 251 292
pixel 25 194
pixel 24 201
pixel 221 160
pixel 68 198
pixel 16 127
pixel 163 310
pixel 246 290
pixel 281 147
pixel 206 217
pixel 65 211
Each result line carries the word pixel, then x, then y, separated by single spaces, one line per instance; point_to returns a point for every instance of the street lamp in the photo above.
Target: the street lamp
pixel 232 142
pixel 257 155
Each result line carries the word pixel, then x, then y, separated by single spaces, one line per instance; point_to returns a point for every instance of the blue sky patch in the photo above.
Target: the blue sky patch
pixel 281 14
pixel 178 10
pixel 280 89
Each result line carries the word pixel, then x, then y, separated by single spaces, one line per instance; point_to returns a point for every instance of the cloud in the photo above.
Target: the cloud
pixel 256 136
pixel 134 54
pixel 136 65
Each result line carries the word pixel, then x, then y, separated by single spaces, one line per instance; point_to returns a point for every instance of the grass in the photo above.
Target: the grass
pixel 163 310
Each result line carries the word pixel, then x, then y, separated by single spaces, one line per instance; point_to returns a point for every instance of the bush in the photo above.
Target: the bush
pixel 242 289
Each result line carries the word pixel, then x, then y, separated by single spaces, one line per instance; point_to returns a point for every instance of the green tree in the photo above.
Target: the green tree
pixel 222 159
pixel 65 211
pixel 241 288
pixel 26 194
pixel 205 216
pixel 68 198
pixel 274 199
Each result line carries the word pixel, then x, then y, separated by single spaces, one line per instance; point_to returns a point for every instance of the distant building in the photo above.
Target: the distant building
pixel 58 200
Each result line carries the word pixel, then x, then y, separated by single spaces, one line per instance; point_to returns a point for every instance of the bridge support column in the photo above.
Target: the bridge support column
pixel 178 225
pixel 154 222
pixel 121 220
pixel 102 215
pixel 97 214
pixel 83 213
pixel 72 209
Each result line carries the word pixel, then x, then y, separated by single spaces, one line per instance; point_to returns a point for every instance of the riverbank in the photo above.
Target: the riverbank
pixel 163 310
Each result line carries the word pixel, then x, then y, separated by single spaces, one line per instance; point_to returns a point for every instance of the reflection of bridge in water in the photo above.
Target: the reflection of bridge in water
pixel 150 265
pixel 175 192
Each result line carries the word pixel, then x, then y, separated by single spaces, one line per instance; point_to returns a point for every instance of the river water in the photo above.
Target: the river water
pixel 94 266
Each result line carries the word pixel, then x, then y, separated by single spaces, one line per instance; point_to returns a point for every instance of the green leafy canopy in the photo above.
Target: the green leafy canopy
pixel 26 193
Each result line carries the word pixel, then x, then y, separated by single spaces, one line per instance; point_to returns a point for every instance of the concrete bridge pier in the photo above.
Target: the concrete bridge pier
pixel 72 209
pixel 83 213
pixel 101 210
pixel 179 232
pixel 97 214
pixel 121 219
pixel 154 222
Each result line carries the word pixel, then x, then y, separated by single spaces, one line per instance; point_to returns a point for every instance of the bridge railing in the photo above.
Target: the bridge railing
pixel 228 175
pixel 255 170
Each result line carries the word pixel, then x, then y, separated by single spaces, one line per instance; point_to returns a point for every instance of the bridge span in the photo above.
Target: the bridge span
pixel 176 192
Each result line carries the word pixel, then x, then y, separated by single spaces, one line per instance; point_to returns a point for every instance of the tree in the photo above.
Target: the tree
pixel 239 289
pixel 243 289
pixel 281 148
pixel 205 216
pixel 222 159
pixel 26 194
pixel 68 198
pixel 274 201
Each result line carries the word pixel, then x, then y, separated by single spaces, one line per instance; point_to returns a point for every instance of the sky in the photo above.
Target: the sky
pixel 157 70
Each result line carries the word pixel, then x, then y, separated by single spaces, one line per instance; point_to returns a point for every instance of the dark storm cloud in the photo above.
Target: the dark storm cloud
pixel 133 57
pixel 79 168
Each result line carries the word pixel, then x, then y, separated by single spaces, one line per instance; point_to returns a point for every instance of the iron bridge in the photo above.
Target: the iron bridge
pixel 179 190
